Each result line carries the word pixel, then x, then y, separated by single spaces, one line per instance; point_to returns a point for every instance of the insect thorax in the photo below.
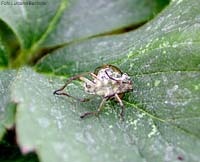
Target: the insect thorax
pixel 108 82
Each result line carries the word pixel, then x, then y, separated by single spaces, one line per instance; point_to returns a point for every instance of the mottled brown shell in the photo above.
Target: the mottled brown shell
pixel 114 68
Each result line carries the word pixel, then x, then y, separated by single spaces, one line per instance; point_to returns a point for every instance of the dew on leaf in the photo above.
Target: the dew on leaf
pixel 196 87
pixel 179 1
pixel 156 83
pixel 177 96
pixel 110 126
pixel 153 131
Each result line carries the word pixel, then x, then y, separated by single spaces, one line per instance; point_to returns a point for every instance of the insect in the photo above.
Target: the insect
pixel 107 81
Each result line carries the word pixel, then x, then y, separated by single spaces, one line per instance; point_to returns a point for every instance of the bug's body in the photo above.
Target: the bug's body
pixel 108 82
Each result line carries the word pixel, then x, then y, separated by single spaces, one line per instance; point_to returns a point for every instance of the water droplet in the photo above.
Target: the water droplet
pixel 164 52
pixel 196 87
pixel 153 131
pixel 156 83
pixel 110 126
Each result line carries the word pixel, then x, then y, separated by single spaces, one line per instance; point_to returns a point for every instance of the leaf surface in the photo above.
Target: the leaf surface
pixel 56 126
pixel 85 18
pixel 58 22
pixel 162 112
pixel 7 108
pixel 3 52
pixel 41 26
pixel 162 58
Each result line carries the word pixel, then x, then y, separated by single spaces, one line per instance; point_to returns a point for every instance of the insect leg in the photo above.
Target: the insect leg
pixel 80 77
pixel 101 105
pixel 95 112
pixel 94 75
pixel 122 106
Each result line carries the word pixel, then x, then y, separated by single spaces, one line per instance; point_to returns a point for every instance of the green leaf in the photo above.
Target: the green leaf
pixel 58 133
pixel 3 53
pixel 34 24
pixel 2 131
pixel 162 112
pixel 169 43
pixel 85 18
pixel 7 109
pixel 9 46
pixel 51 125
pixel 29 22
pixel 164 62
pixel 46 24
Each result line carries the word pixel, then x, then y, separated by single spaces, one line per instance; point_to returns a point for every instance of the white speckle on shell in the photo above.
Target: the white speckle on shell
pixel 108 82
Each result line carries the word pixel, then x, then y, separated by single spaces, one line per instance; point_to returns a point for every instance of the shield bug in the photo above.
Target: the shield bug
pixel 107 81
